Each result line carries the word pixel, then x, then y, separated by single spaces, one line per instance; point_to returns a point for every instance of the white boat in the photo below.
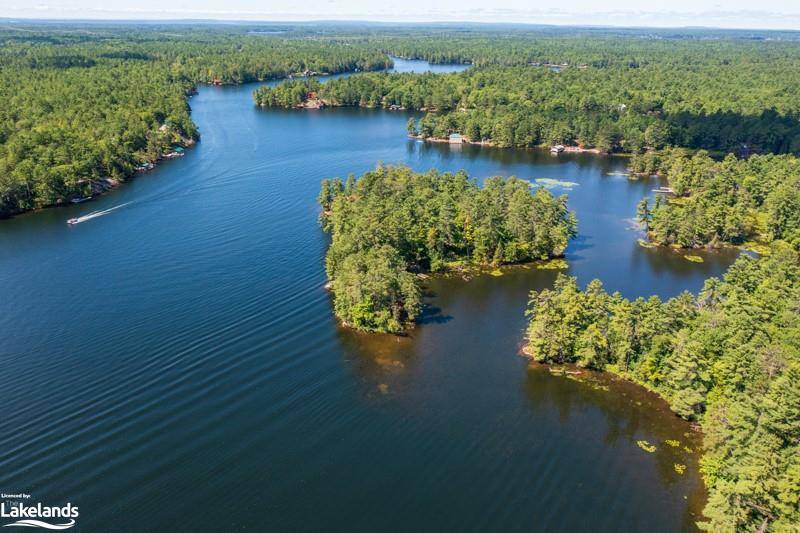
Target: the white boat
pixel 79 200
pixel 557 149
pixel 72 221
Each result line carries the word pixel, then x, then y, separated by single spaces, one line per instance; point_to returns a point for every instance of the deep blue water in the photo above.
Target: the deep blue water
pixel 174 365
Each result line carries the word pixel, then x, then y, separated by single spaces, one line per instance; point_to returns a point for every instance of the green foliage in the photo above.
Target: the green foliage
pixel 728 201
pixel 287 94
pixel 79 106
pixel 62 129
pixel 614 107
pixel 729 357
pixel 374 292
pixel 428 220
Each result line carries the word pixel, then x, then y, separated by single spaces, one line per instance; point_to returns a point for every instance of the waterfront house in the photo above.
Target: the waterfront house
pixel 455 138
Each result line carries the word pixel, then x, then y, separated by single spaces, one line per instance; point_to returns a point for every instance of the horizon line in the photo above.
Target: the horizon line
pixel 402 22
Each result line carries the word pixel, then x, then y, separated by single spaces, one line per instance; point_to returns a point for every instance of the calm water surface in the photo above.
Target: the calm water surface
pixel 173 365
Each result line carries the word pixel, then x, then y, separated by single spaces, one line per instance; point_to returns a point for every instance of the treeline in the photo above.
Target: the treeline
pixel 393 223
pixel 291 93
pixel 85 102
pixel 62 129
pixel 695 104
pixel 721 202
pixel 728 357
pixel 203 54
pixel 594 47
pixel 80 106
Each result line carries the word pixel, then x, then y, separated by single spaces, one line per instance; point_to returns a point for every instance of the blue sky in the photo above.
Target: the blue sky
pixel 778 14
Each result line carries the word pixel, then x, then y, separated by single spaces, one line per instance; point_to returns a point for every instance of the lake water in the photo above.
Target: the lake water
pixel 174 365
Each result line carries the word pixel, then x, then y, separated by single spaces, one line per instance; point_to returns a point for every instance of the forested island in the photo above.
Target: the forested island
pixel 715 202
pixel 728 356
pixel 392 224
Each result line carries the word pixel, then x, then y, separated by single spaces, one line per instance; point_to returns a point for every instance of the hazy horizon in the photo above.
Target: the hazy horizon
pixel 734 14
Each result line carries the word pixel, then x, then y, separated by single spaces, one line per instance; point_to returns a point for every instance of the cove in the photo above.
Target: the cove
pixel 175 365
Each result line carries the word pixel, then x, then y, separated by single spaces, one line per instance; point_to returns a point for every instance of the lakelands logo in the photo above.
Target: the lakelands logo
pixel 38 515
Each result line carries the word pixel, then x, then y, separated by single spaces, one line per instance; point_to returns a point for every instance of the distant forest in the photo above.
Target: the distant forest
pixel 85 103
pixel 613 95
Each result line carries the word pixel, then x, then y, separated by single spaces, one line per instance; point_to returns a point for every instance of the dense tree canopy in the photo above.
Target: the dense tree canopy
pixel 79 106
pixel 616 107
pixel 393 221
pixel 83 103
pixel 727 201
pixel 729 357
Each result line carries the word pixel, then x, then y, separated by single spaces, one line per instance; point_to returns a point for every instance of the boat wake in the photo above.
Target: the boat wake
pixel 94 214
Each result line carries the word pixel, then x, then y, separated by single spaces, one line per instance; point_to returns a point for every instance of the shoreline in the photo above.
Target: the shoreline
pixel 574 369
pixel 491 144
pixel 467 273
pixel 108 183
pixel 753 245
pixel 101 186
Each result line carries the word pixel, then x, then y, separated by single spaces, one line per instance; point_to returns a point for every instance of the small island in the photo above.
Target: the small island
pixel 393 224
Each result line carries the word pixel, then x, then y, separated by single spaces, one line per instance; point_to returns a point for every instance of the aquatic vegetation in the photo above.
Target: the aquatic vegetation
pixel 693 258
pixel 496 272
pixel 679 468
pixel 646 446
pixel 550 183
pixel 672 442
pixel 755 246
pixel 646 244
pixel 553 264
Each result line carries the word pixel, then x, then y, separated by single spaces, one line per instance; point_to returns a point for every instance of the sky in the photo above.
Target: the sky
pixel 766 14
